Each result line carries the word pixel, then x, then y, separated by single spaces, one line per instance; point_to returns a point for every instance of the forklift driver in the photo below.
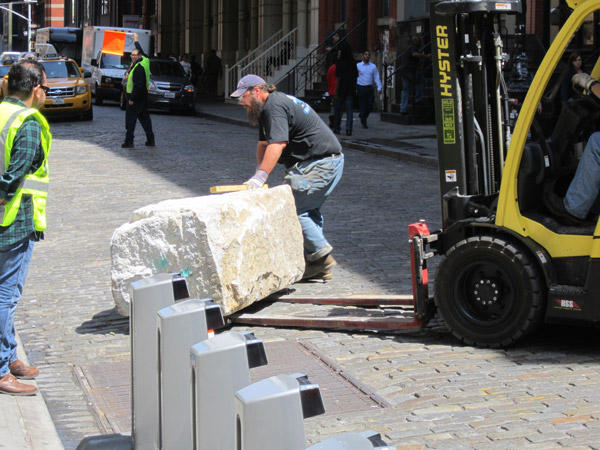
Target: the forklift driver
pixel 585 186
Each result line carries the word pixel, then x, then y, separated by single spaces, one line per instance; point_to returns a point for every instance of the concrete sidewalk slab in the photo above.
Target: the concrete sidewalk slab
pixel 25 423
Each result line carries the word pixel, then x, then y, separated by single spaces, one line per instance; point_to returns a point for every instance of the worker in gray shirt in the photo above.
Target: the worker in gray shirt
pixel 292 133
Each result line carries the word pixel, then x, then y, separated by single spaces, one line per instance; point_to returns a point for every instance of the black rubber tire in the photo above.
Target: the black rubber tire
pixel 512 290
pixel 88 115
pixel 98 99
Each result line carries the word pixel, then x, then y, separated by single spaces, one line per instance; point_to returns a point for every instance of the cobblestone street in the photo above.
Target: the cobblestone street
pixel 541 394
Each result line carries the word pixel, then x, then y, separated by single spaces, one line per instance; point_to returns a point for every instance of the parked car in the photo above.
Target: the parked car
pixel 69 95
pixel 169 89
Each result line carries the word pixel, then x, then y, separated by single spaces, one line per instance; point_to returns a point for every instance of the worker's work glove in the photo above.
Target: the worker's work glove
pixel 259 178
pixel 583 80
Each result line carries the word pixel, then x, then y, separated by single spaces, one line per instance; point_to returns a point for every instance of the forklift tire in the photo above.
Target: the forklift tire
pixel 489 291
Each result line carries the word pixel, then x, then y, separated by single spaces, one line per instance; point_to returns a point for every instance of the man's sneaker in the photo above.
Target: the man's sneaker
pixel 314 268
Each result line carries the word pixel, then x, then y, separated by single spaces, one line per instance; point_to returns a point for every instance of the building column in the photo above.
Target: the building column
pixel 253 24
pixel 314 24
pixel 206 30
pixel 302 24
pixel 214 33
pixel 227 31
pixel 269 19
pixel 195 30
pixel 243 17
pixel 286 12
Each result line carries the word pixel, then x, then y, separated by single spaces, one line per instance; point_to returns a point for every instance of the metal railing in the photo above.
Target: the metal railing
pixel 312 67
pixel 263 63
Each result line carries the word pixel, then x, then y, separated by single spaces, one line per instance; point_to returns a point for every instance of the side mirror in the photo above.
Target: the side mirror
pixel 87 74
pixel 94 62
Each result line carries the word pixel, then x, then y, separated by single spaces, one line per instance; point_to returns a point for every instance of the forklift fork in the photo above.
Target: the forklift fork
pixel 360 312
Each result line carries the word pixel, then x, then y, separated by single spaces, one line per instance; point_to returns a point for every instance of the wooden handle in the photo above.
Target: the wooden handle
pixel 231 188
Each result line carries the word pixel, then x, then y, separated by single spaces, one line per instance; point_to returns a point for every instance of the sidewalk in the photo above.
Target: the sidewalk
pixel 411 143
pixel 25 423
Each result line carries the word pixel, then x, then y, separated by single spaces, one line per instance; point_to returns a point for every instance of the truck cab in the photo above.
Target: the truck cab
pixel 108 69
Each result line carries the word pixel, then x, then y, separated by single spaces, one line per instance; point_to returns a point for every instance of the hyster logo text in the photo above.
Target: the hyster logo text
pixel 443 60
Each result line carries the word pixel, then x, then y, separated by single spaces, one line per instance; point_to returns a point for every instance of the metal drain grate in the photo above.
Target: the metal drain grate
pixel 108 385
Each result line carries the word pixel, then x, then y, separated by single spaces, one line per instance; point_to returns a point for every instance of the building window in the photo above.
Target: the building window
pixel 104 7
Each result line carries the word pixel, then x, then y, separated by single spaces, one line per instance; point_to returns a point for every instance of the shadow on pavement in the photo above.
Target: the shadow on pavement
pixel 105 322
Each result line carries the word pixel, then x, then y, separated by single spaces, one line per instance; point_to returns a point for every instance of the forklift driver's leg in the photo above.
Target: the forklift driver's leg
pixel 585 186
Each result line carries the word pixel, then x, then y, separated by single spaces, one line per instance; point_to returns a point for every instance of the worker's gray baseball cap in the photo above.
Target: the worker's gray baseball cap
pixel 247 82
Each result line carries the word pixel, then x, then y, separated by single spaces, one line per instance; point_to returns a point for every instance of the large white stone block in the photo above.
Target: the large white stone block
pixel 235 248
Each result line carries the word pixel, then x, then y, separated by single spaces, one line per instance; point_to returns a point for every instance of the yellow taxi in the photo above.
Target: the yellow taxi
pixel 69 94
pixel 3 71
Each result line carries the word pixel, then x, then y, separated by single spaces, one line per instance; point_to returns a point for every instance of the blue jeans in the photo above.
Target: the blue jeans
pixel 341 103
pixel 408 81
pixel 366 100
pixel 14 264
pixel 585 186
pixel 312 181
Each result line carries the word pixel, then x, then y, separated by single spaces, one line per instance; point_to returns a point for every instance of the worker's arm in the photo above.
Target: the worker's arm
pixel 272 154
pixel 586 82
pixel 267 156
pixel 260 152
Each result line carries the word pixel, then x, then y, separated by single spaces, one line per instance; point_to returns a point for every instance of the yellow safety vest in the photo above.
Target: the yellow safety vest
pixel 35 184
pixel 145 63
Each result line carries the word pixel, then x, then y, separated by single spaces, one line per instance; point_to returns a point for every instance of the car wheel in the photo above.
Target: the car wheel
pixel 98 97
pixel 489 291
pixel 88 115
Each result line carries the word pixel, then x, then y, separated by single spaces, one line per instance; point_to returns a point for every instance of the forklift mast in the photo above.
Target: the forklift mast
pixel 471 104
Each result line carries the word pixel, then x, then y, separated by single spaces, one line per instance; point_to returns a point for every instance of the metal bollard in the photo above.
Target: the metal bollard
pixel 269 413
pixel 180 326
pixel 220 366
pixel 148 296
pixel 367 440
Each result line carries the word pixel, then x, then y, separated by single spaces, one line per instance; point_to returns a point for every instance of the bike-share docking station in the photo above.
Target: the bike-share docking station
pixel 367 440
pixel 191 389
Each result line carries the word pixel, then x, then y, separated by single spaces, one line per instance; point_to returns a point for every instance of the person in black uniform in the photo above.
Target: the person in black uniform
pixel 137 96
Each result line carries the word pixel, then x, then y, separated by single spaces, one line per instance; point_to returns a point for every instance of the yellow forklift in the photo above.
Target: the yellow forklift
pixel 508 263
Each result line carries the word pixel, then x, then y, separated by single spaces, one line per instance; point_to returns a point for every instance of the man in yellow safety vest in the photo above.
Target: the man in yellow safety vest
pixel 25 138
pixel 136 88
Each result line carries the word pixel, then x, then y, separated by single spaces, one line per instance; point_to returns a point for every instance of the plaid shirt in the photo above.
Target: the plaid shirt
pixel 26 157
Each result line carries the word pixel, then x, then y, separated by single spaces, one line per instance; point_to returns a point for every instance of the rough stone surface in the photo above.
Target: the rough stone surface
pixel 234 248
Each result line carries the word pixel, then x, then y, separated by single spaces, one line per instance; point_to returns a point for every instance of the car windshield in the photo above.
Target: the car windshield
pixel 115 61
pixel 61 69
pixel 4 70
pixel 173 68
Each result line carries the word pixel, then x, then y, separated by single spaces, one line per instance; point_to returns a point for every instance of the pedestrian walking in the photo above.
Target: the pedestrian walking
pixel 213 71
pixel 346 75
pixel 292 133
pixel 368 76
pixel 24 179
pixel 138 82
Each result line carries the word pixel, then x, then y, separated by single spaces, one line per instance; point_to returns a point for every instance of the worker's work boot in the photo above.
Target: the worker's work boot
pixel 11 386
pixel 20 370
pixel 315 268
pixel 127 144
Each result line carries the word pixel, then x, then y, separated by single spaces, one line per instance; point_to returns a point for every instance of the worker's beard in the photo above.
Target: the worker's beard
pixel 254 110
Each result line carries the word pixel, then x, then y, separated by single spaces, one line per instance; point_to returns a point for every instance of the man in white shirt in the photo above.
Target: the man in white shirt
pixel 367 77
